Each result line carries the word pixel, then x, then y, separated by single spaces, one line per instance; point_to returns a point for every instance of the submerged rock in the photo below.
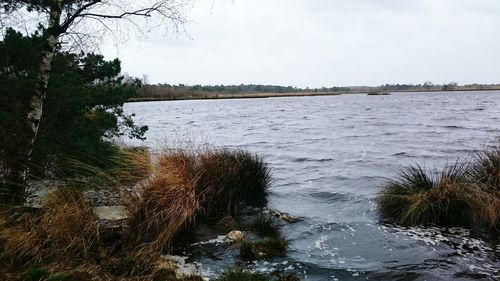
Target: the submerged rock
pixel 235 236
pixel 283 216
pixel 110 213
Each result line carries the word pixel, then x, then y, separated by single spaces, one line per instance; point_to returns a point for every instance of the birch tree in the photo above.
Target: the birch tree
pixel 79 21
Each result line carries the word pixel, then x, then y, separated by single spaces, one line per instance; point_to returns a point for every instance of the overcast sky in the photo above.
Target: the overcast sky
pixel 318 43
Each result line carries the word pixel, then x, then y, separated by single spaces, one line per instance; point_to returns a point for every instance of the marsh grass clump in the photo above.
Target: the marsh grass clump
pixel 268 248
pixel 485 168
pixel 187 185
pixel 229 179
pixel 446 198
pixel 264 225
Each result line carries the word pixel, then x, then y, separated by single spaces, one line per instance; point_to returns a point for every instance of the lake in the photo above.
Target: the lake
pixel 330 157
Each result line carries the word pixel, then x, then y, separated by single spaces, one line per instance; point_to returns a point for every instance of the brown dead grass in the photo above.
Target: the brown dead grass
pixel 65 229
pixel 167 203
pixel 186 185
pixel 175 189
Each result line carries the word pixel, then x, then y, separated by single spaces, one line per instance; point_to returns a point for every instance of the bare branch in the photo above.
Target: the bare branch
pixel 64 26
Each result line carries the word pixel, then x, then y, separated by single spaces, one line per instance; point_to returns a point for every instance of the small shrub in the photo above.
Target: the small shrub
pixel 447 198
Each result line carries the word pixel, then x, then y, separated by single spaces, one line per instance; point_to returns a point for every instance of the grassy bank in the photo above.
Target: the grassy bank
pixel 174 191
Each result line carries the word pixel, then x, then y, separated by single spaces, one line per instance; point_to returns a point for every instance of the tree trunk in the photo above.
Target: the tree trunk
pixel 35 109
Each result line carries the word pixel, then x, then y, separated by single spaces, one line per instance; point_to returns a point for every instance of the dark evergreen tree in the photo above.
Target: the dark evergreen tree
pixel 83 109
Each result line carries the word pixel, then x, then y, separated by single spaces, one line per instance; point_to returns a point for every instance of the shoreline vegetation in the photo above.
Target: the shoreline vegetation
pixel 165 196
pixel 165 92
pixel 77 206
pixel 464 194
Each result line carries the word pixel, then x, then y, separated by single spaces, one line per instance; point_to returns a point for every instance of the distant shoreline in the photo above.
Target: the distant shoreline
pixel 254 95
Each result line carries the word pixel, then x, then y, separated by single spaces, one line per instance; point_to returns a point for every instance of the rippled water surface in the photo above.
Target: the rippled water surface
pixel 330 156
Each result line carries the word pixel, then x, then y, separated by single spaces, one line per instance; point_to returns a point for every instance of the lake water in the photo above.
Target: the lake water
pixel 330 156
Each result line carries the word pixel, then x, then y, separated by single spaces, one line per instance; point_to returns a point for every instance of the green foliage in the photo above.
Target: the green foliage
pixel 82 111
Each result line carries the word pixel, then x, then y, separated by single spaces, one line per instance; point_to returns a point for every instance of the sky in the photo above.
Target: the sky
pixel 315 43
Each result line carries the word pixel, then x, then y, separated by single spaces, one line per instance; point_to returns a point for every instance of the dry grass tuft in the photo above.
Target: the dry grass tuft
pixel 126 166
pixel 66 229
pixel 70 225
pixel 167 203
pixel 20 241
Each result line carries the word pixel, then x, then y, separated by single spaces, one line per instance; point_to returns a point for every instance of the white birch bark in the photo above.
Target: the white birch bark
pixel 37 100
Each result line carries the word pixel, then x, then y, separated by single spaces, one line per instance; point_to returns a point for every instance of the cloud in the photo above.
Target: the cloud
pixel 325 43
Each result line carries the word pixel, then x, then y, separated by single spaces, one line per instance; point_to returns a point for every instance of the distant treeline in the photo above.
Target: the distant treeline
pixel 168 91
pixel 429 86
pixel 181 91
